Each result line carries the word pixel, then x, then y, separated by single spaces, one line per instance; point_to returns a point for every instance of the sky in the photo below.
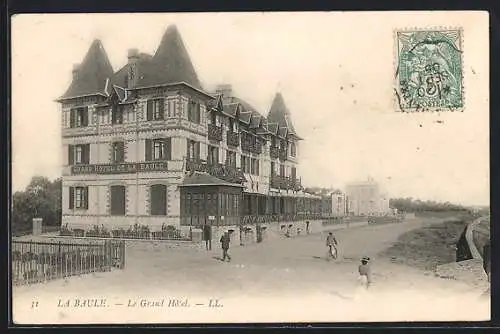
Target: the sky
pixel 334 70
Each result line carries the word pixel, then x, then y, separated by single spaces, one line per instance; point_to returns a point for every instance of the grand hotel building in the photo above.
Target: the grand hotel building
pixel 148 145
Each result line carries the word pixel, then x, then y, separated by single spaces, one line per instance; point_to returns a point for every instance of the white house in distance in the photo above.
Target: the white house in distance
pixel 366 199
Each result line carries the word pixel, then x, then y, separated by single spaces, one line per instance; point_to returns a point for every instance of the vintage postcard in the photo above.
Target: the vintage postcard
pixel 250 167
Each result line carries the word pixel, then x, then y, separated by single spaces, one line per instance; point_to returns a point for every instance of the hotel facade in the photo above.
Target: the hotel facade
pixel 148 145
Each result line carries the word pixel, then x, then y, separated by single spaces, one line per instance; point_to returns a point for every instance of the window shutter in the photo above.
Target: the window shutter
pixel 149 110
pixel 161 103
pixel 197 150
pixel 72 114
pixel 188 154
pixel 149 150
pixel 71 155
pixel 198 113
pixel 86 154
pixel 85 116
pixel 168 148
pixel 121 151
pixel 71 197
pixel 86 197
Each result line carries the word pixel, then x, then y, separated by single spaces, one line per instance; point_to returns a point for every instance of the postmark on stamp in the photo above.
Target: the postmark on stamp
pixel 429 71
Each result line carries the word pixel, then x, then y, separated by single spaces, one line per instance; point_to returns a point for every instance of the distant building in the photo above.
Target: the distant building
pixel 366 199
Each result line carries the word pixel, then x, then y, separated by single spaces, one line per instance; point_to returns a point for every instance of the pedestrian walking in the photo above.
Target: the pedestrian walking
pixel 225 241
pixel 207 236
pixel 365 273
pixel 331 243
pixel 307 227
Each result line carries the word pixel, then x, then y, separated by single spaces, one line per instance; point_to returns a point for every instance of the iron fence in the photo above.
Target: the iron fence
pixel 35 262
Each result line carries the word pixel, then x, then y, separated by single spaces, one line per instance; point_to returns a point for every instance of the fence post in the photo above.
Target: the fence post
pixel 122 254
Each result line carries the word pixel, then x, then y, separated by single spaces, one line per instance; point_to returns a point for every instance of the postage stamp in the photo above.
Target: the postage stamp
pixel 429 71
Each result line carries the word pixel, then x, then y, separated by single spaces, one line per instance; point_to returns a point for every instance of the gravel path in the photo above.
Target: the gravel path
pixel 285 280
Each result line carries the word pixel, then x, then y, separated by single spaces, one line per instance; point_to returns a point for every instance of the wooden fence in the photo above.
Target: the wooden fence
pixel 35 262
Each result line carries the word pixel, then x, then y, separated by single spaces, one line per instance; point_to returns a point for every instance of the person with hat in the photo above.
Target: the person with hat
pixel 225 241
pixel 365 272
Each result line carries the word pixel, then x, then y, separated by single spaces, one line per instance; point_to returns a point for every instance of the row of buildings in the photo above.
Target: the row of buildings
pixel 148 145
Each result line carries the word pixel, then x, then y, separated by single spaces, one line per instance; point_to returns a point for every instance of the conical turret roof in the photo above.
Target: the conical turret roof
pixel 170 63
pixel 92 73
pixel 280 114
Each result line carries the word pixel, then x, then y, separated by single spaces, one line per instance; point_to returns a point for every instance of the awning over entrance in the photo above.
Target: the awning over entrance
pixel 197 179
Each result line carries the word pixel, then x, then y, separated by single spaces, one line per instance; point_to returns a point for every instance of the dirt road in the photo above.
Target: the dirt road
pixel 282 280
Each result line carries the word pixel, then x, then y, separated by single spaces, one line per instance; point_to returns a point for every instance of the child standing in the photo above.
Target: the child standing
pixel 365 272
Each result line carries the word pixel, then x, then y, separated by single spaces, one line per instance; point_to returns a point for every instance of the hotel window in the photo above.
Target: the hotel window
pixel 231 159
pixel 158 149
pixel 213 155
pixel 194 112
pixel 282 170
pixel 273 169
pixel 294 173
pixel 155 110
pixel 79 154
pixel 117 114
pixel 79 117
pixel 118 151
pixel 117 194
pixel 78 197
pixel 293 150
pixel 158 200
pixel 213 118
pixel 193 150
pixel 233 125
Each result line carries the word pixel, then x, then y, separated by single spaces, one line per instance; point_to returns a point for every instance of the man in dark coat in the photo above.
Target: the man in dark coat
pixel 225 241
pixel 207 236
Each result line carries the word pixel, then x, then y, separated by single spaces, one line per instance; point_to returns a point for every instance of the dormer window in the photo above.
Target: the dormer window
pixel 233 125
pixel 293 150
pixel 79 117
pixel 155 110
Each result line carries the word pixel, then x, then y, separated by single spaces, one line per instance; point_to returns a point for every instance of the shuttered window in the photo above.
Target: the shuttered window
pixel 194 112
pixel 193 149
pixel 79 117
pixel 213 155
pixel 155 109
pixel 79 154
pixel 158 200
pixel 79 198
pixel 117 194
pixel 158 149
pixel 118 152
pixel 117 114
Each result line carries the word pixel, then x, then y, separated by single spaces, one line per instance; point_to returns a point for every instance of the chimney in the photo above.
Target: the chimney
pixel 133 56
pixel 225 89
pixel 76 70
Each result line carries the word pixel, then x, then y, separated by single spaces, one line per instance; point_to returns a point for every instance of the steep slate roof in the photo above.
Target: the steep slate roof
pixel 170 64
pixel 92 74
pixel 231 109
pixel 280 114
pixel 120 77
pixel 204 179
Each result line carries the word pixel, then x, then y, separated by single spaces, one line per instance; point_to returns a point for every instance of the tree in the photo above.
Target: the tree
pixel 42 198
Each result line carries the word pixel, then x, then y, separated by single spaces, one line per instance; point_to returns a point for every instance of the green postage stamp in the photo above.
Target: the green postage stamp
pixel 429 70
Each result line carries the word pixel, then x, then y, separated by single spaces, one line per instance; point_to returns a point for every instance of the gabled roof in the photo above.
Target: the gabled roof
pixel 255 120
pixel 280 114
pixel 205 179
pixel 231 109
pixel 272 127
pixel 282 132
pixel 120 78
pixel 92 73
pixel 170 64
pixel 245 116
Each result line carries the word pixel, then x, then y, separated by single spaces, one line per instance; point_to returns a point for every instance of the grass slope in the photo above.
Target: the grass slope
pixel 428 246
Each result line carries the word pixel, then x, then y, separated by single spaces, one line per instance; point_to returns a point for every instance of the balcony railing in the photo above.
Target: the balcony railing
pixel 223 172
pixel 214 132
pixel 248 146
pixel 287 183
pixel 274 152
pixel 233 138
